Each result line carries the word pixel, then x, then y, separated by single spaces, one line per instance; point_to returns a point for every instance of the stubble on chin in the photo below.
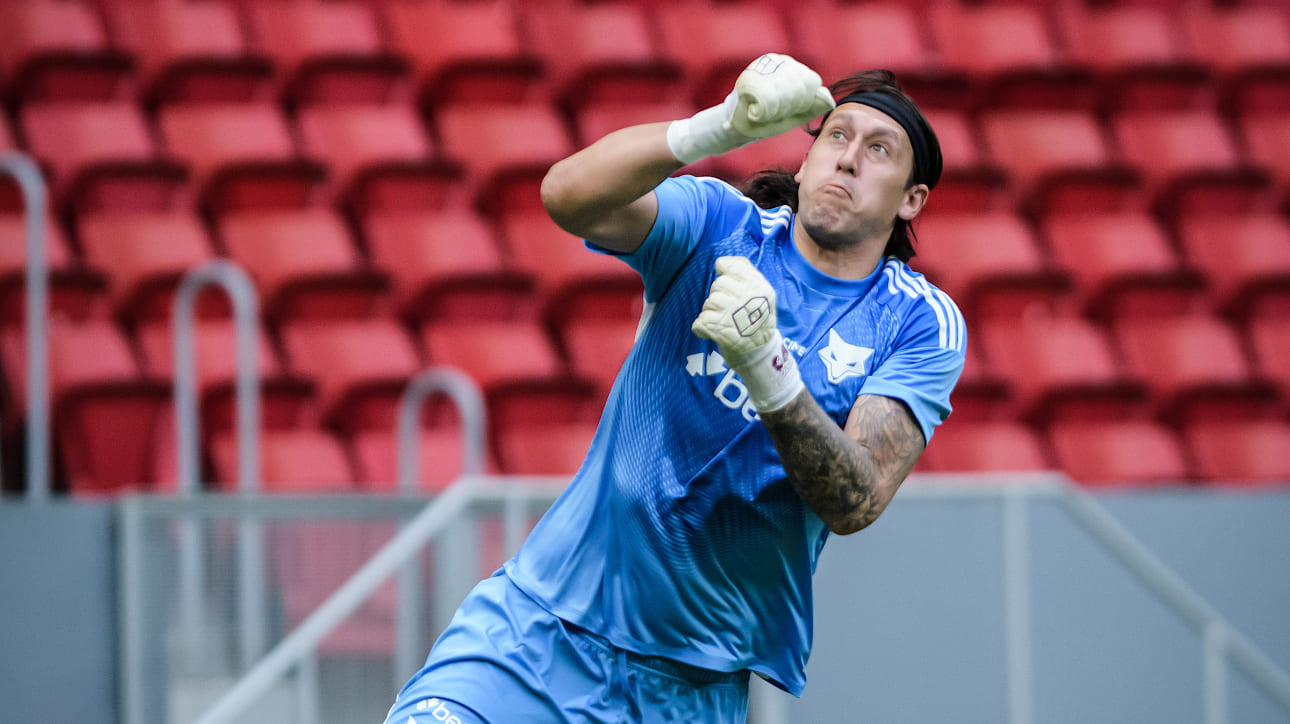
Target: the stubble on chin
pixel 826 230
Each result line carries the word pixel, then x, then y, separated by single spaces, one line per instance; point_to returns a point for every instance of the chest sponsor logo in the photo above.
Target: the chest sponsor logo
pixel 730 389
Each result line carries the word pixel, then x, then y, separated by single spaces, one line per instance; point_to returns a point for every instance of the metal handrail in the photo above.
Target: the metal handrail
pixel 298 646
pixel 250 567
pixel 32 186
pixel 465 394
pixel 1221 641
pixel 1218 636
pixel 235 282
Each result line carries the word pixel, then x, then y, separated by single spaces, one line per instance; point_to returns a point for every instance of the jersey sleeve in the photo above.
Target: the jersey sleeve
pixel 688 207
pixel 923 370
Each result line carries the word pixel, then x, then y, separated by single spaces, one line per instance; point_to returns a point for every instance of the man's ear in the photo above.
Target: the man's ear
pixel 915 200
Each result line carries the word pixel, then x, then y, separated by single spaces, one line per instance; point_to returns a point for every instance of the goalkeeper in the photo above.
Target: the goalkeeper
pixel 788 372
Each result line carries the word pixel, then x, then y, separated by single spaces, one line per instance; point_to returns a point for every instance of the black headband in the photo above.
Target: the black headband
pixel 927 163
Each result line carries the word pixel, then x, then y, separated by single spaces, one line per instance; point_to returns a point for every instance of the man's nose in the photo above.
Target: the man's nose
pixel 848 161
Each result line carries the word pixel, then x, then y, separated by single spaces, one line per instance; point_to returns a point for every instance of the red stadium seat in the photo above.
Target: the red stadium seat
pixel 1188 157
pixel 556 449
pixel 1241 38
pixel 1245 256
pixel 304 263
pixel 714 42
pixel 1122 261
pixel 982 393
pixel 543 431
pixel 595 54
pixel 1270 344
pixel 463 52
pixel 101 154
pixel 1266 136
pixel 144 254
pixel 107 416
pixel 560 262
pixel 443 264
pixel 361 367
pixel 75 292
pixel 1052 154
pixel 439 458
pixel 506 149
pixel 59 49
pixel 990 263
pixel 1241 451
pixel 840 39
pixel 1195 367
pixel 597 347
pixel 190 51
pixel 985 446
pixel 242 155
pixel 970 181
pixel 1136 49
pixel 327 52
pixel 1008 49
pixel 988 39
pixel 1118 453
pixel 284 399
pixel 302 460
pixel 1060 367
pixel 377 155
pixel 961 148
pixel 494 352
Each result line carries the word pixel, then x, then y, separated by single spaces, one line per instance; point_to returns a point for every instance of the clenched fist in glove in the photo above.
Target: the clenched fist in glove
pixel 773 94
pixel 739 315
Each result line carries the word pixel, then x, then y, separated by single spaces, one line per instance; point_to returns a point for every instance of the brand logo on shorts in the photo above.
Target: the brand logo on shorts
pixel 435 709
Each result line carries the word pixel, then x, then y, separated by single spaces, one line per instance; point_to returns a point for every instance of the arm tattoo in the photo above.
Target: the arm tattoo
pixel 846 476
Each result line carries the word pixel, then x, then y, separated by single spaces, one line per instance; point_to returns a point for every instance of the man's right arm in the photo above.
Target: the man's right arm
pixel 605 192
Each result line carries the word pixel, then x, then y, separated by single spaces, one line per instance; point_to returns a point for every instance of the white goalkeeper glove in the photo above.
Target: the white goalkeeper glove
pixel 773 94
pixel 739 315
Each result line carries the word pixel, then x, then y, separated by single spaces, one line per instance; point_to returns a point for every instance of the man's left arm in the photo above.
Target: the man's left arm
pixel 846 475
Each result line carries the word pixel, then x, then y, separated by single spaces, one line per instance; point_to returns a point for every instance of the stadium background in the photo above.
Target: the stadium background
pixel 1112 221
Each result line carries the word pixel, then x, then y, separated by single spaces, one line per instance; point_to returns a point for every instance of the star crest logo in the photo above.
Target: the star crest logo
pixel 844 360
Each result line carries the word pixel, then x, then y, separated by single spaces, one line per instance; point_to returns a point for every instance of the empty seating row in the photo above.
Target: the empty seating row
pixel 1116 453
pixel 112 406
pixel 213 47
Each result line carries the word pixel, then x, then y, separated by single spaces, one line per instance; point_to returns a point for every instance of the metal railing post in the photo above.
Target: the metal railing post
pixel 235 282
pixel 461 389
pixel 32 186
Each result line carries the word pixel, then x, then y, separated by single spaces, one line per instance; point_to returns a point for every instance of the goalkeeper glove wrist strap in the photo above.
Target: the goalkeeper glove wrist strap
pixel 706 133
pixel 770 374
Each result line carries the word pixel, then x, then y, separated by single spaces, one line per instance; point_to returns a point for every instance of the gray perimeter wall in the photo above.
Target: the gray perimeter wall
pixel 57 613
pixel 910 616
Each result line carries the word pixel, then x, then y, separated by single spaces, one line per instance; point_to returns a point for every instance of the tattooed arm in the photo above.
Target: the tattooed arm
pixel 847 476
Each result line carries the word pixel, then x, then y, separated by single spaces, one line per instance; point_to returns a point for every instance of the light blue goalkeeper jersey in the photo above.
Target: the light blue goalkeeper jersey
pixel 680 536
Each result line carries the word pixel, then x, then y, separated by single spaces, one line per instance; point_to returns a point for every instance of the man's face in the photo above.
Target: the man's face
pixel 852 181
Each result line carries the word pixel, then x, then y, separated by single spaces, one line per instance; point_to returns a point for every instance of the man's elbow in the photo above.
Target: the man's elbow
pixel 857 519
pixel 850 524
pixel 556 194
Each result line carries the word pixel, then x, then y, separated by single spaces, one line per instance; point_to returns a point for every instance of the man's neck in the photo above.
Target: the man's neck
pixel 856 261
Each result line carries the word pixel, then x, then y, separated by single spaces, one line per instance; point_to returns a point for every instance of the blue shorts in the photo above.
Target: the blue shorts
pixel 505 659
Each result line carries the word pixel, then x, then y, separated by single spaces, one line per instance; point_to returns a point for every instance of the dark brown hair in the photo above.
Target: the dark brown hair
pixel 773 188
